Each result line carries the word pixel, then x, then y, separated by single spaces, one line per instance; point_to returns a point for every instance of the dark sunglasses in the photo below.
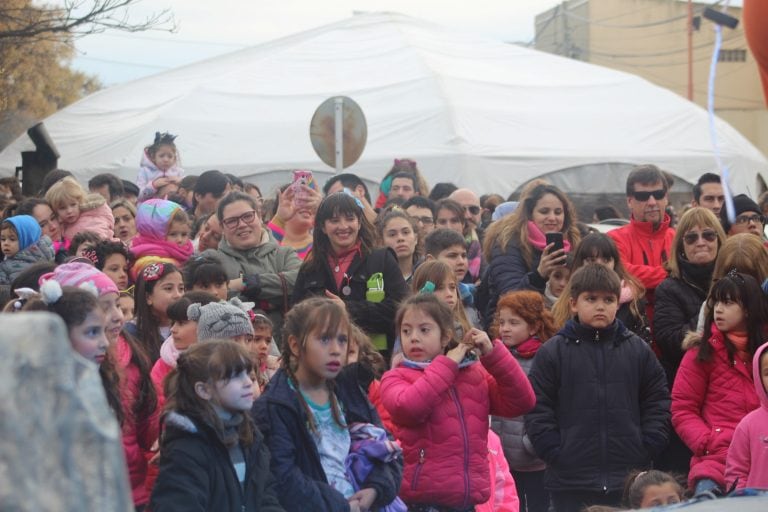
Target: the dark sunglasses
pixel 246 218
pixel 692 238
pixel 745 219
pixel 644 196
pixel 474 210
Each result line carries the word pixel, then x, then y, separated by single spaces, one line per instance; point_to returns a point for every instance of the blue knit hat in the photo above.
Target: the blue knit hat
pixel 27 229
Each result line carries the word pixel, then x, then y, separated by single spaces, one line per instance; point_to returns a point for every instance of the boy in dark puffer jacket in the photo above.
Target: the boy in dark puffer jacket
pixel 602 402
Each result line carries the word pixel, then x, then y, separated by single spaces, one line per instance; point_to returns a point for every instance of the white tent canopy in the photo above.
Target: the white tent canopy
pixel 479 113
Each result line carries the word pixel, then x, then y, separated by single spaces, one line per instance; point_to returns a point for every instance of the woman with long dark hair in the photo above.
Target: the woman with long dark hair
pixel 515 247
pixel 344 266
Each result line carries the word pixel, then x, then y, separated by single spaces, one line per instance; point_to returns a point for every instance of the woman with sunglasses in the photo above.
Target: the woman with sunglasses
pixel 679 297
pixel 258 268
pixel 344 266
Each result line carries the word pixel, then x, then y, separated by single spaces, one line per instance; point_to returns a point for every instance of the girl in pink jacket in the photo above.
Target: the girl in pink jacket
pixel 747 462
pixel 79 211
pixel 713 389
pixel 440 397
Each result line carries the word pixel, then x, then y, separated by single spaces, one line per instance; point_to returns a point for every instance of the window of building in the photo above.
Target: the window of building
pixel 734 55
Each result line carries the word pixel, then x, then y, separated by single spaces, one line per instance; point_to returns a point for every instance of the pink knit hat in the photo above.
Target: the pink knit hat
pixel 78 274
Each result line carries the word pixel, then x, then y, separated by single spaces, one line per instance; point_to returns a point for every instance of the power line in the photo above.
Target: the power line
pixel 657 54
pixel 634 26
pixel 176 41
pixel 124 63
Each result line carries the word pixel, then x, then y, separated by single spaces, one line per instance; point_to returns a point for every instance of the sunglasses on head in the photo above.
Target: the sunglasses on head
pixel 692 238
pixel 474 210
pixel 646 195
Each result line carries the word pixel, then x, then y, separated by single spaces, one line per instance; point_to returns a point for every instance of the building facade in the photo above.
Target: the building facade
pixel 649 38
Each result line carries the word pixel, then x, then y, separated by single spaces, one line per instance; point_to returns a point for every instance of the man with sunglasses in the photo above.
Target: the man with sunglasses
pixel 471 204
pixel 645 243
pixel 749 219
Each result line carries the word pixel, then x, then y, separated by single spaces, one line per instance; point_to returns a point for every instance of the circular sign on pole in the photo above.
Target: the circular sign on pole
pixel 338 132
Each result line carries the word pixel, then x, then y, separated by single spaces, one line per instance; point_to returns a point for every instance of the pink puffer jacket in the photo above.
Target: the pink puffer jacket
pixel 441 413
pixel 98 220
pixel 708 401
pixel 747 462
pixel 138 437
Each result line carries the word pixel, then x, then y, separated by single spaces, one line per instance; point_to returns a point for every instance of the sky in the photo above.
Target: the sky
pixel 208 28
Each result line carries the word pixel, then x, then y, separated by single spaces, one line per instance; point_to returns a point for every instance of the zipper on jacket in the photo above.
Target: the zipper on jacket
pixel 466 444
pixel 603 413
pixel 422 456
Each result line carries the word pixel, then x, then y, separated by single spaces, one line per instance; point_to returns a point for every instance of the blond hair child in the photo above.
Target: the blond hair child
pixel 78 210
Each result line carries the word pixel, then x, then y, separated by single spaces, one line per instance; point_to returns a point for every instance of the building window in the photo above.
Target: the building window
pixel 736 55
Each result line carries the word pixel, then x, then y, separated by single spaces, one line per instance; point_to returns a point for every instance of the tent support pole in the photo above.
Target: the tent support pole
pixel 339 125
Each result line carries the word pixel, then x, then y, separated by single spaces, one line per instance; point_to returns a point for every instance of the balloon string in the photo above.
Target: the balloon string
pixel 724 171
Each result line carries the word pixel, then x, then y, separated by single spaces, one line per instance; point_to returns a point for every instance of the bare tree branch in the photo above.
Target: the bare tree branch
pixel 77 18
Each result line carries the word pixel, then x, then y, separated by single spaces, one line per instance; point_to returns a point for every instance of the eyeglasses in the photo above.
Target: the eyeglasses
pixel 692 238
pixel 474 210
pixel 746 219
pixel 427 221
pixel 646 195
pixel 246 218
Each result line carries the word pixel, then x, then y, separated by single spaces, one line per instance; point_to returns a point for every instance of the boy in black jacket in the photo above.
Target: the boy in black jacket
pixel 602 402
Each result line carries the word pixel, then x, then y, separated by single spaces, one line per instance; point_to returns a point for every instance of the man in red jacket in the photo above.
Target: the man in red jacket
pixel 645 243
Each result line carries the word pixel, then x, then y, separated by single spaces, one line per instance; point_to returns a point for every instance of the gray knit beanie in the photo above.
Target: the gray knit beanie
pixel 221 320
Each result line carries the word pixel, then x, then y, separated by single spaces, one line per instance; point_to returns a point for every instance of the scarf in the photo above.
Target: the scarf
pixel 169 353
pixel 539 241
pixel 699 276
pixel 739 340
pixel 145 246
pixel 343 261
pixel 469 359
pixel 231 422
pixel 527 349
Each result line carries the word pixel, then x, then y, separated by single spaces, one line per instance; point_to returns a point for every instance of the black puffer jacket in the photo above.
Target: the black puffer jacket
pixel 508 271
pixel 678 302
pixel 196 472
pixel 602 407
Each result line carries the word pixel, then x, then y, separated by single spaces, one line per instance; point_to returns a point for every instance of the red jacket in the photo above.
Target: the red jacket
pixel 643 253
pixel 441 414
pixel 708 401
pixel 138 437
pixel 747 462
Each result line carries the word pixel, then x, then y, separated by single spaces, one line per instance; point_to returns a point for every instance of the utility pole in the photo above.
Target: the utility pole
pixel 690 50
pixel 567 45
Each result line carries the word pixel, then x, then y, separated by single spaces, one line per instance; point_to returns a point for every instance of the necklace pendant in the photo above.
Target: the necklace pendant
pixel 336 268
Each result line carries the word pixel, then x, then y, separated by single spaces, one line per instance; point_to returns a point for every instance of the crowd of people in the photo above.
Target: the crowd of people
pixel 429 350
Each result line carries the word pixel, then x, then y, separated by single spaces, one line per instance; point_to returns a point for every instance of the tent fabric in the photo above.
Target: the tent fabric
pixel 476 112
